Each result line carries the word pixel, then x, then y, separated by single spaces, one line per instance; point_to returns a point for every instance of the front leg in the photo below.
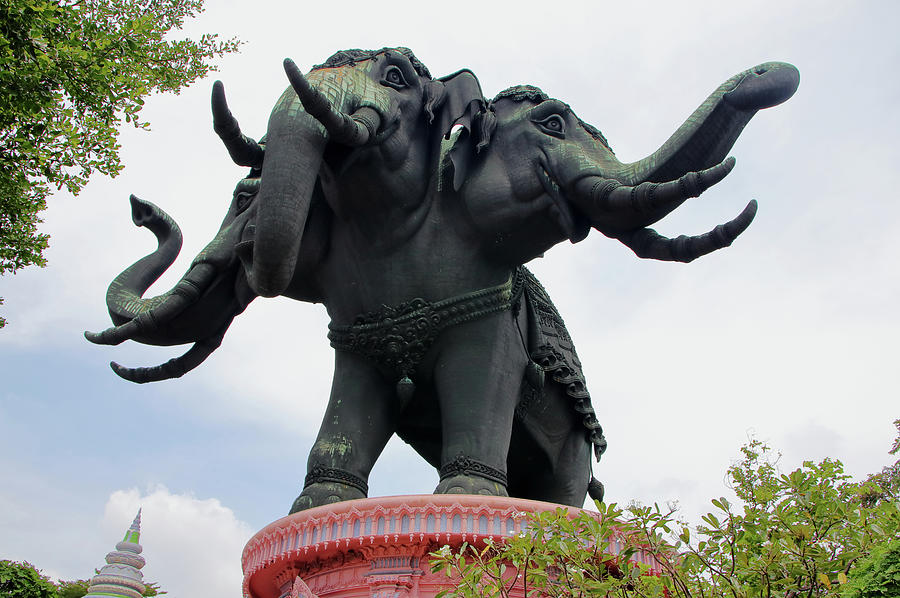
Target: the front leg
pixel 478 375
pixel 360 419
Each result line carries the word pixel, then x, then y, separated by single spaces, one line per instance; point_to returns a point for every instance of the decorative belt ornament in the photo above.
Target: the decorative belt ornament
pixel 398 337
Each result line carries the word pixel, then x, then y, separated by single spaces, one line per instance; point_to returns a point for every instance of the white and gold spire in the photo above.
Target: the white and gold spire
pixel 122 577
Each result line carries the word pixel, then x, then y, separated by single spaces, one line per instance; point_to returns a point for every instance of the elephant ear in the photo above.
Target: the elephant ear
pixel 455 166
pixel 463 101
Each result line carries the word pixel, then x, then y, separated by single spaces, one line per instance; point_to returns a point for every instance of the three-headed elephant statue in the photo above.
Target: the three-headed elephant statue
pixel 407 206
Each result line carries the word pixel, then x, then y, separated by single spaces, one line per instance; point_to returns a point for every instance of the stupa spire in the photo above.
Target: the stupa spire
pixel 121 577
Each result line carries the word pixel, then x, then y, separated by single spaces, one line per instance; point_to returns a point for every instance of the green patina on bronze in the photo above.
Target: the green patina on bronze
pixel 408 235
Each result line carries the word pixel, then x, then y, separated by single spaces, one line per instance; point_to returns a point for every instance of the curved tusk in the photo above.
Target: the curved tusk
pixel 186 292
pixel 243 150
pixel 174 368
pixel 615 206
pixel 648 244
pixel 354 130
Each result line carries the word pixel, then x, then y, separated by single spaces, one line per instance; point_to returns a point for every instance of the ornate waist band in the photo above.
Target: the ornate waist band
pixel 398 337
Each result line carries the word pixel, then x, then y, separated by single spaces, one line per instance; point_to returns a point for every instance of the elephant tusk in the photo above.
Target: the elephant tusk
pixel 354 130
pixel 648 244
pixel 188 289
pixel 243 150
pixel 174 368
pixel 613 205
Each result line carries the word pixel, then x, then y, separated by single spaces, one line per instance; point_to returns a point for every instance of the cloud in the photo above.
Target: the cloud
pixel 192 546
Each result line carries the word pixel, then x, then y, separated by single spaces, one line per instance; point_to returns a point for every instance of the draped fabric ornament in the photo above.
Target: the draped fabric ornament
pixel 121 576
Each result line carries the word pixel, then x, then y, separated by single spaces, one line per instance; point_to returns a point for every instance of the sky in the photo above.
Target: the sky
pixel 788 336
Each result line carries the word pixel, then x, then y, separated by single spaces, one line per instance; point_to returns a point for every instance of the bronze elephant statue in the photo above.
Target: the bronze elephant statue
pixel 407 206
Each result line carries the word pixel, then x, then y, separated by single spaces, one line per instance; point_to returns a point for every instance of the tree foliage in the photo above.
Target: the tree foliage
pixel 71 71
pixel 72 589
pixel 23 580
pixel 885 485
pixel 796 534
pixel 79 587
pixel 878 574
pixel 811 532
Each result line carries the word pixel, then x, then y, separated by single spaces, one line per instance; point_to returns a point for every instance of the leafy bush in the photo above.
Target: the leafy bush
pixel 810 533
pixel 23 580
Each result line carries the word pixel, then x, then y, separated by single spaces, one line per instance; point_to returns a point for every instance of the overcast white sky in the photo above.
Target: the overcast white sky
pixel 790 334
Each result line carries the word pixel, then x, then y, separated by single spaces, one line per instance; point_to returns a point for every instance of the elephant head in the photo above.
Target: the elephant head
pixel 534 159
pixel 199 309
pixel 376 116
pixel 358 107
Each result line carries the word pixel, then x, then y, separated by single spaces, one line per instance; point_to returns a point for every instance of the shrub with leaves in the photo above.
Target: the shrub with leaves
pixel 885 485
pixel 796 534
pixel 877 575
pixel 558 556
pixel 808 533
pixel 22 580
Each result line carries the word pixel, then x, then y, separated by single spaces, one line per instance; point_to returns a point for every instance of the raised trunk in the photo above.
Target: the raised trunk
pixel 124 296
pixel 709 133
pixel 204 301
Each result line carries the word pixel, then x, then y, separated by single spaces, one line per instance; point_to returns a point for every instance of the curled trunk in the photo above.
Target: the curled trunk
pixel 206 298
pixel 124 295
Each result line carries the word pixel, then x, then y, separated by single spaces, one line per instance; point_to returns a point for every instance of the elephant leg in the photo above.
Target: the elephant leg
pixel 549 453
pixel 560 478
pixel 477 374
pixel 569 483
pixel 357 425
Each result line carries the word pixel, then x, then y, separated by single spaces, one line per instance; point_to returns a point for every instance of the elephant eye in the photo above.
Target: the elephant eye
pixel 393 77
pixel 553 125
pixel 245 193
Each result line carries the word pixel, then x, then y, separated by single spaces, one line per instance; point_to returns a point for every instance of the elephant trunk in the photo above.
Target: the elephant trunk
pixel 301 125
pixel 295 143
pixel 199 309
pixel 709 133
pixel 123 298
pixel 211 292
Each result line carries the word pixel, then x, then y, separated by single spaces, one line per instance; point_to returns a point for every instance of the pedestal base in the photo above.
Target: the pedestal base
pixel 374 547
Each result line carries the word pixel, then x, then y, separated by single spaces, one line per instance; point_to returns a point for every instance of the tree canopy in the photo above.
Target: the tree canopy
pixel 71 71
pixel 22 580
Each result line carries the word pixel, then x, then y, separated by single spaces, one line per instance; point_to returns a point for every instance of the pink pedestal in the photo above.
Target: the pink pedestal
pixel 374 547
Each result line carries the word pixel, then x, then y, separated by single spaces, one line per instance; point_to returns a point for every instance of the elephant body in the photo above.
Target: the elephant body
pixel 407 206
